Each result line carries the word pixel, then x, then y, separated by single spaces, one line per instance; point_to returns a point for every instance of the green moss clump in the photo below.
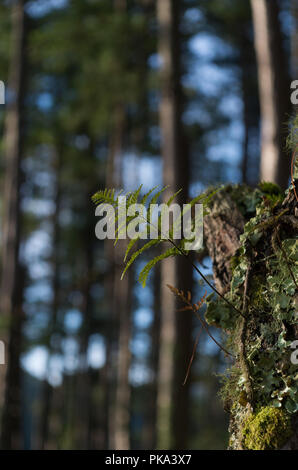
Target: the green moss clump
pixel 268 429
pixel 270 188
pixel 272 192
pixel 257 292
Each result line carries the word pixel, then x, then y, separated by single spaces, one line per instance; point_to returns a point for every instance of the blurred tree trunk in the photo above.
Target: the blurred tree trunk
pixel 11 292
pixel 87 433
pixel 245 155
pixel 84 439
pixel 119 295
pixel 294 46
pixel 47 388
pixel 112 181
pixel 246 114
pixel 251 116
pixel 122 403
pixel 294 39
pixel 273 91
pixel 172 421
pixel 155 341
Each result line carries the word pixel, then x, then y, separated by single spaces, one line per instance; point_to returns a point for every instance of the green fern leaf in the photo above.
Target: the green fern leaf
pixel 145 197
pixel 138 253
pixel 147 268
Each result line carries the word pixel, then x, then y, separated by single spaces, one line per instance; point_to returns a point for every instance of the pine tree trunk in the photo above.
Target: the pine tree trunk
pixel 294 47
pixel 10 301
pixel 119 293
pixel 47 397
pixel 294 40
pixel 175 331
pixel 274 90
pixel 113 180
pixel 154 360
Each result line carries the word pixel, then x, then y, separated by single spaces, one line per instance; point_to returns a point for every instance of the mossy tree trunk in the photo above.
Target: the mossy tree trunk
pixel 251 236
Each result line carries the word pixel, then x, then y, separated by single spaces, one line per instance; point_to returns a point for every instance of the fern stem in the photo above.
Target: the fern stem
pixel 204 277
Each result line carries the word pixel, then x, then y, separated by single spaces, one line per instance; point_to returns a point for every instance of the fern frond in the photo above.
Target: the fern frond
pixel 135 195
pixel 145 197
pixel 138 253
pixel 130 246
pixel 154 200
pixel 169 202
pixel 147 268
pixel 150 198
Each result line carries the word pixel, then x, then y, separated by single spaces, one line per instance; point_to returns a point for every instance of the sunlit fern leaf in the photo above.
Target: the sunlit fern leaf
pixel 109 196
pixel 135 195
pixel 138 253
pixel 143 201
pixel 169 202
pixel 154 200
pixel 145 197
pixel 158 223
pixel 122 228
pixel 147 268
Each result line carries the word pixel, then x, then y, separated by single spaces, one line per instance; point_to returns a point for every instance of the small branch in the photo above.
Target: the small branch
pixel 211 336
pixel 195 308
pixel 205 279
pixel 192 356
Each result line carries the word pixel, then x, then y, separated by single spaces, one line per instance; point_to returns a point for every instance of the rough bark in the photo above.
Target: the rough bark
pixel 277 225
pixel 222 229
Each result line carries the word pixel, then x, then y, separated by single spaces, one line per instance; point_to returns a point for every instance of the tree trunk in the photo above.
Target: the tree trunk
pixel 119 295
pixel 113 180
pixel 84 434
pixel 246 272
pixel 294 47
pixel 154 359
pixel 47 388
pixel 174 349
pixel 10 302
pixel 273 91
pixel 122 401
pixel 294 40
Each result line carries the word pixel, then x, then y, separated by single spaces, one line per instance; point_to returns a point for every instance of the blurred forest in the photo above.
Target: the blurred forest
pixel 118 93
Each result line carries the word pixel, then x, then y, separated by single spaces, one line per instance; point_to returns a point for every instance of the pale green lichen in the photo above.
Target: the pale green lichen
pixel 268 429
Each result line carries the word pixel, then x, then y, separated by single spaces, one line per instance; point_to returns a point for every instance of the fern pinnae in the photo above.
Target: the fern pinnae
pixel 130 246
pixel 138 253
pixel 154 200
pixel 145 197
pixel 136 194
pixel 169 202
pixel 148 267
pixel 122 227
pixel 133 241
